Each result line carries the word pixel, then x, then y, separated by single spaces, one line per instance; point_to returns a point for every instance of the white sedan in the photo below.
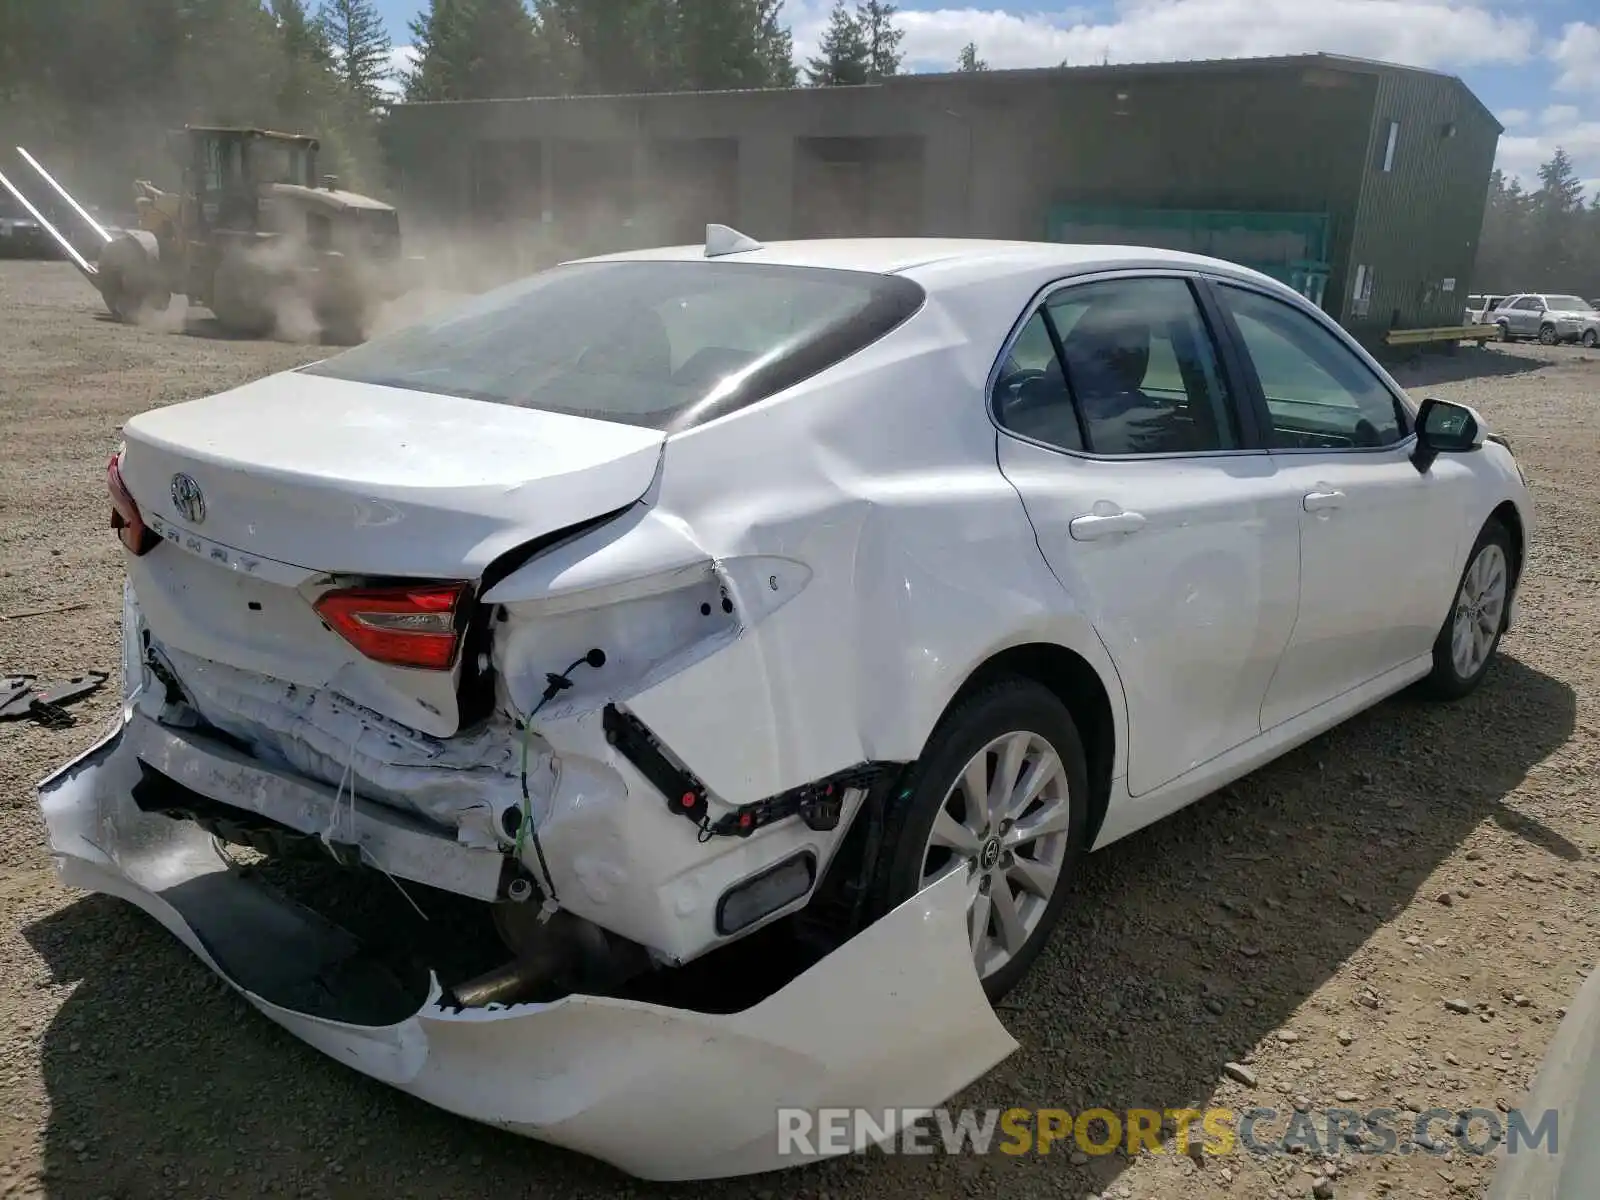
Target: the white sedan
pixel 852 587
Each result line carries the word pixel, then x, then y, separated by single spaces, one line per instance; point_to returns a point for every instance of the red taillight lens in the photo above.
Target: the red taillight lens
pixel 409 626
pixel 125 519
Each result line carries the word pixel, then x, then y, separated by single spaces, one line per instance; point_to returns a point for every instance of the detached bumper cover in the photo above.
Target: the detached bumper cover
pixel 894 1020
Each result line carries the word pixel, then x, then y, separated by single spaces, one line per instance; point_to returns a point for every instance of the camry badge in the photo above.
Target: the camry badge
pixel 188 499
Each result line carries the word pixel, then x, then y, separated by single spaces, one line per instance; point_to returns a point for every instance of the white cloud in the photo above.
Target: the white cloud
pixel 401 60
pixel 1521 155
pixel 1427 33
pixel 1513 117
pixel 1577 58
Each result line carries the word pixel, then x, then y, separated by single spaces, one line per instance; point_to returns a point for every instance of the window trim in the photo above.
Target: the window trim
pixel 1245 413
pixel 1257 397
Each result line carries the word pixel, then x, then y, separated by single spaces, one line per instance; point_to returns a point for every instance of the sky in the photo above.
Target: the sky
pixel 1535 63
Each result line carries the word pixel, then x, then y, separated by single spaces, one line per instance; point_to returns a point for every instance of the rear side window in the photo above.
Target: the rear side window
pixel 660 344
pixel 1118 367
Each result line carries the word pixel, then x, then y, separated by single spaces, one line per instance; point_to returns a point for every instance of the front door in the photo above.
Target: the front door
pixel 1123 439
pixel 1378 538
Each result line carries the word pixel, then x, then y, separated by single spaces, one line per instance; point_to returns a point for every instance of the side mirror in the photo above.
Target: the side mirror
pixel 1445 428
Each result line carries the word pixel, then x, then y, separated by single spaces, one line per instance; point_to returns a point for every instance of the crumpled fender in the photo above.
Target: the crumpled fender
pixel 895 1019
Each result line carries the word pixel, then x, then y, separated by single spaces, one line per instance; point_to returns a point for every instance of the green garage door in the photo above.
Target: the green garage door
pixel 1291 247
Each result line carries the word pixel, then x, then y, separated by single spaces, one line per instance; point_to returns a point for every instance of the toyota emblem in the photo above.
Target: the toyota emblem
pixel 188 499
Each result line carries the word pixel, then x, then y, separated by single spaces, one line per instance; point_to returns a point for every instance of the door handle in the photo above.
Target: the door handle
pixel 1099 525
pixel 1318 501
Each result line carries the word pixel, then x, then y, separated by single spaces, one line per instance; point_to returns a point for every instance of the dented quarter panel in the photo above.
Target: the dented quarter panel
pixel 912 569
pixel 661 1093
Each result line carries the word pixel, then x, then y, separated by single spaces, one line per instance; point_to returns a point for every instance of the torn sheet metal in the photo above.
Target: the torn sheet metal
pixel 895 1019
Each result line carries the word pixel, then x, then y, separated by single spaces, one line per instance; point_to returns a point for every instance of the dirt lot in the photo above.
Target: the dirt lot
pixel 1306 925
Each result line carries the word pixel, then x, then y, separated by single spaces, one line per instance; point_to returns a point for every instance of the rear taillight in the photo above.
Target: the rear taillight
pixel 415 625
pixel 125 519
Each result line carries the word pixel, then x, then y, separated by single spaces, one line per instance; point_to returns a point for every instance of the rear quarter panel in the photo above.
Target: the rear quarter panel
pixel 879 475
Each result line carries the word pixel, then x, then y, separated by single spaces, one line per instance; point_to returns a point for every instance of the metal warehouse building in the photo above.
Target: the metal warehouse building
pixel 1360 183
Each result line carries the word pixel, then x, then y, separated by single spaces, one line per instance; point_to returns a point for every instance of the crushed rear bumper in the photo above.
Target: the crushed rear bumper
pixel 895 1019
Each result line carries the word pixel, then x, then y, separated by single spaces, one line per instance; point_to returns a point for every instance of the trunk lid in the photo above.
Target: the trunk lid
pixel 264 491
pixel 361 479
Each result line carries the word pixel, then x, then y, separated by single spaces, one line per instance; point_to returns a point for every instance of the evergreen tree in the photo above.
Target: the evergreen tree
pixel 968 59
pixel 875 19
pixel 356 33
pixel 775 46
pixel 474 50
pixel 844 55
pixel 730 44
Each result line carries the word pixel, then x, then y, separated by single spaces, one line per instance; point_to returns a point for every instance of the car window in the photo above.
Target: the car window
pixel 648 343
pixel 1569 303
pixel 1031 395
pixel 1137 373
pixel 1318 392
pixel 1529 303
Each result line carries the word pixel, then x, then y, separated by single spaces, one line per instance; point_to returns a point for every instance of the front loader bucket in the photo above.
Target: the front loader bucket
pixel 83 264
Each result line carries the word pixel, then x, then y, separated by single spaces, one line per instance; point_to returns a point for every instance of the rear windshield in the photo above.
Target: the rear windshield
pixel 659 344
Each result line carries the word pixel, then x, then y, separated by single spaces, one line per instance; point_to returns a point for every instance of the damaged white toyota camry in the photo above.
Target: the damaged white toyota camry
pixel 749 639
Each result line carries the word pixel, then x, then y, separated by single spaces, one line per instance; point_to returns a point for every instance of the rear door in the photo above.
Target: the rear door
pixel 1378 538
pixel 1120 432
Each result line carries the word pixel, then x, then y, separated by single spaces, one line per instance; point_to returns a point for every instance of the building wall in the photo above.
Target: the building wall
pixel 1280 140
pixel 985 156
pixel 1419 222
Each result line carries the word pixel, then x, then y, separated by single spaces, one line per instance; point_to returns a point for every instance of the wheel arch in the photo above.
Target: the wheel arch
pixel 1511 518
pixel 1073 680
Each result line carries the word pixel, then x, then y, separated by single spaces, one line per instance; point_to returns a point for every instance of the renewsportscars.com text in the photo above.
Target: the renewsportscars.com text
pixel 1215 1131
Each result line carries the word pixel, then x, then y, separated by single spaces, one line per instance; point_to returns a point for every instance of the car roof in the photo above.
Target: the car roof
pixel 956 259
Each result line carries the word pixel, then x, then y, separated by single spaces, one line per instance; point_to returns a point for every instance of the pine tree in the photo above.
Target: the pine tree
pixel 844 55
pixel 437 38
pixel 474 50
pixel 775 46
pixel 1560 191
pixel 355 31
pixel 968 59
pixel 875 19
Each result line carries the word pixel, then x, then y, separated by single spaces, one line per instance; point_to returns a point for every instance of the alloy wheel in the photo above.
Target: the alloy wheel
pixel 1004 823
pixel 1480 609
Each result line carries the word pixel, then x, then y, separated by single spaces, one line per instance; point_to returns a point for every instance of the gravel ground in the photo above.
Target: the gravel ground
pixel 1293 939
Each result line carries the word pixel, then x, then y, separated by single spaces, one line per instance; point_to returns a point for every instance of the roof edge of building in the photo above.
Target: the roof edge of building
pixel 1338 62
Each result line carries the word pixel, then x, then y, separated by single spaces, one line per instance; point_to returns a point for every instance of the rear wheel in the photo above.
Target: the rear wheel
pixel 1547 335
pixel 1590 339
pixel 1466 645
pixel 1000 797
pixel 1503 332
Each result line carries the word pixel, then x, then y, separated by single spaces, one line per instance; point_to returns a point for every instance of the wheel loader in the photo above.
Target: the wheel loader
pixel 255 235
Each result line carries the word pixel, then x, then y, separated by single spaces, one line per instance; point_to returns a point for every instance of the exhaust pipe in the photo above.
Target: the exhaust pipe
pixel 65 195
pixel 504 985
pixel 67 247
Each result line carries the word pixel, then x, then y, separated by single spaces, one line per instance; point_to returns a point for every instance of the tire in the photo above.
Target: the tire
pixel 986 723
pixel 1453 675
pixel 1590 339
pixel 1547 335
pixel 1504 334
